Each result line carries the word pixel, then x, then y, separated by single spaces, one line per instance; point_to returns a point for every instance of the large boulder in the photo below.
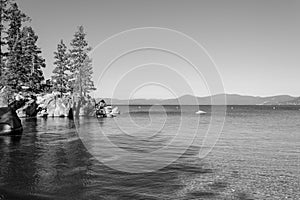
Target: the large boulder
pixel 10 123
pixel 58 108
pixel 30 109
pixel 55 105
pixel 21 106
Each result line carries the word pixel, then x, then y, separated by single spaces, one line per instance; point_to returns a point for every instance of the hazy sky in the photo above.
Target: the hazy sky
pixel 254 43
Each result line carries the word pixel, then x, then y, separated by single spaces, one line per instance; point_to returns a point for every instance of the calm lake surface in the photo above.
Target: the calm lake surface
pixel 257 156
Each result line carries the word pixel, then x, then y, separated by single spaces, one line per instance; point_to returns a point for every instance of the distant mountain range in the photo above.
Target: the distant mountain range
pixel 232 99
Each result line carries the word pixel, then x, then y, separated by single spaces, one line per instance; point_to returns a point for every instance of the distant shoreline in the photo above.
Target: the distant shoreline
pixel 220 99
pixel 238 105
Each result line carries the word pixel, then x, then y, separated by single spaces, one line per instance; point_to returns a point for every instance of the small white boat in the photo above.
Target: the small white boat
pixel 200 112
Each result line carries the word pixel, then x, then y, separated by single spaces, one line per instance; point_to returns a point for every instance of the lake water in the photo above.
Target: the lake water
pixel 153 153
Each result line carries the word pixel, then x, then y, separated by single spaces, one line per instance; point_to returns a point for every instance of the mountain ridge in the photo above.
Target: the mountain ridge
pixel 218 99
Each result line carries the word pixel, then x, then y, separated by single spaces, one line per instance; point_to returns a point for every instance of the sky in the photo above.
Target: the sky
pixel 252 47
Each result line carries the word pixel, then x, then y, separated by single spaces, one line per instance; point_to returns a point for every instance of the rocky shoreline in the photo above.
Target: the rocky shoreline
pixel 55 105
pixel 42 105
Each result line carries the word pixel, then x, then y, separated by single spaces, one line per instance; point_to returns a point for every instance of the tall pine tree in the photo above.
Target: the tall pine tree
pixel 32 61
pixel 87 79
pixel 13 70
pixel 60 76
pixel 5 13
pixel 3 19
pixel 81 64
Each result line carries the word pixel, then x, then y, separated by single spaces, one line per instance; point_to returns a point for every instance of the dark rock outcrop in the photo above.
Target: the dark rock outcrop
pixel 30 109
pixel 10 123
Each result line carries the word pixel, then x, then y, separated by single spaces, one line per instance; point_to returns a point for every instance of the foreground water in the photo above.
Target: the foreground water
pixel 255 157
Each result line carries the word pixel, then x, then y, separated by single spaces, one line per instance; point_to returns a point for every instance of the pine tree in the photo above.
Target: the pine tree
pixel 24 61
pixel 60 78
pixel 3 18
pixel 81 64
pixel 32 60
pixel 14 73
pixel 87 82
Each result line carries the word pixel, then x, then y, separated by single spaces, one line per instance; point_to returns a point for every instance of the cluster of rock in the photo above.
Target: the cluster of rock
pixel 50 105
pixel 46 105
pixel 55 105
